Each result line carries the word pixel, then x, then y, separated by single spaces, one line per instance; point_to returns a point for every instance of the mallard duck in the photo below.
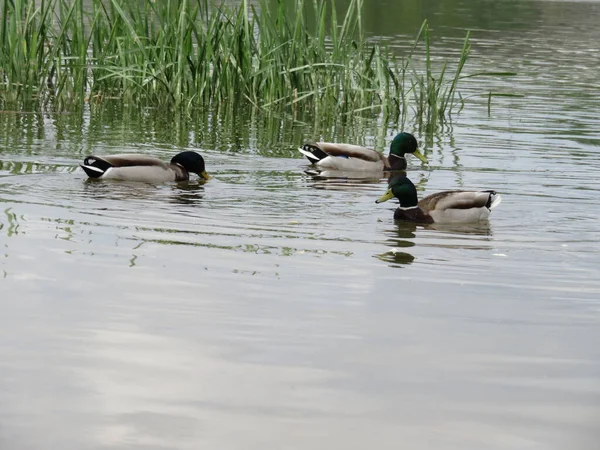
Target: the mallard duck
pixel 442 207
pixel 328 155
pixel 145 168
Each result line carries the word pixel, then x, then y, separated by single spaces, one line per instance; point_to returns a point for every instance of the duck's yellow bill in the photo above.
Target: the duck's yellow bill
pixel 385 197
pixel 420 155
pixel 205 175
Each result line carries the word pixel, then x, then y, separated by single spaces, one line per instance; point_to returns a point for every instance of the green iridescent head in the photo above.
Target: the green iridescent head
pixel 192 162
pixel 402 144
pixel 403 189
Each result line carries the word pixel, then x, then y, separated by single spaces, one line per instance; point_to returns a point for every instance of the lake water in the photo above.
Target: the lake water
pixel 268 310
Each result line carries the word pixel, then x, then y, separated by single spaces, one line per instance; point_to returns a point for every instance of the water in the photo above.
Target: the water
pixel 265 309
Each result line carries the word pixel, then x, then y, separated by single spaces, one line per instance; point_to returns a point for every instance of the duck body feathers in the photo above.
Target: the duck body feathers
pixel 457 200
pixel 349 157
pixel 132 167
pixel 451 207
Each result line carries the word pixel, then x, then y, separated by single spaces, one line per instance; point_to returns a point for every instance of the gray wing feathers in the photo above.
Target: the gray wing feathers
pixel 352 151
pixel 456 200
pixel 128 160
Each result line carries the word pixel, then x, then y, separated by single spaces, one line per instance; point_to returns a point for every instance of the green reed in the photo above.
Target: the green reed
pixel 195 54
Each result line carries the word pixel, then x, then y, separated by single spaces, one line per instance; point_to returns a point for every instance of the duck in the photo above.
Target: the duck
pixel 442 207
pixel 132 167
pixel 350 157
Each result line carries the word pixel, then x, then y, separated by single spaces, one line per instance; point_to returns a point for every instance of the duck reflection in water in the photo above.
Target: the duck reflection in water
pixel 399 239
pixel 402 237
pixel 187 193
pixel 184 192
pixel 348 180
pixel 477 229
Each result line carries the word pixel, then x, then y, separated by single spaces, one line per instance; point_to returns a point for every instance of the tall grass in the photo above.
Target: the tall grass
pixel 195 54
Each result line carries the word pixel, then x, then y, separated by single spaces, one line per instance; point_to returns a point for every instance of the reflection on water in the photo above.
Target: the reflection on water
pixel 352 181
pixel 12 223
pixel 460 236
pixel 340 176
pixel 185 193
pixel 483 228
pixel 188 193
pixel 399 240
pixel 396 257
pixel 270 308
pixel 403 231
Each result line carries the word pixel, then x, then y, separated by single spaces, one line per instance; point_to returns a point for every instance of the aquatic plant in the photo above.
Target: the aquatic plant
pixel 196 54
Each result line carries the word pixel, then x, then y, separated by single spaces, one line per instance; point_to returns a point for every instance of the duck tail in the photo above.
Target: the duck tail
pixel 494 200
pixel 313 152
pixel 95 167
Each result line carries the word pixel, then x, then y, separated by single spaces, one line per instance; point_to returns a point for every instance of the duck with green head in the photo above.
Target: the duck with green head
pixel 131 167
pixel 442 207
pixel 350 157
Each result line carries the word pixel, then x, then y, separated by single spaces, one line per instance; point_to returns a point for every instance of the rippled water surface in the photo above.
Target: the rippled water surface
pixel 266 309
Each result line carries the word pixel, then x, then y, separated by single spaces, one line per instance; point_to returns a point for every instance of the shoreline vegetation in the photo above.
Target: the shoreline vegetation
pixel 58 54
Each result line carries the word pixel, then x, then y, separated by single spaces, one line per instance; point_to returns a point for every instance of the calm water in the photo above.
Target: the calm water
pixel 265 309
